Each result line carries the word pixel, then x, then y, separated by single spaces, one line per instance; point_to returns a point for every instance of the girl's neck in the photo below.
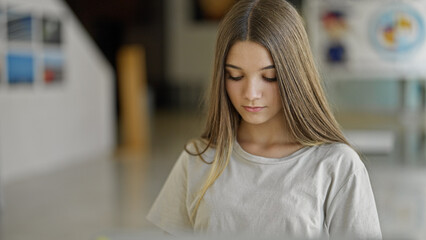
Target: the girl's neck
pixel 271 139
pixel 269 133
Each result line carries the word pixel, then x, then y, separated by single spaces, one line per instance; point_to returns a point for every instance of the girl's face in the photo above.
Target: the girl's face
pixel 251 83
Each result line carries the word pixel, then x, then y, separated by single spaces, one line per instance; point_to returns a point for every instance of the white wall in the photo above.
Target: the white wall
pixel 190 45
pixel 47 127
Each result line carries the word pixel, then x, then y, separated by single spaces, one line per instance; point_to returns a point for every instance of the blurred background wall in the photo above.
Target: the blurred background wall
pixel 46 122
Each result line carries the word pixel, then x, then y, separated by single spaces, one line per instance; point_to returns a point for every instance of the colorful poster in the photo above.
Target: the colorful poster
pixel 53 67
pixel 20 68
pixel 373 39
pixel 335 26
pixel 397 30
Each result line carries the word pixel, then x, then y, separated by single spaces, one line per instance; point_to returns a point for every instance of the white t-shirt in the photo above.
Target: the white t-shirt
pixel 319 191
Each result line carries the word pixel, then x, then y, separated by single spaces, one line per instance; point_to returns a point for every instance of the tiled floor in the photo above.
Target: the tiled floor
pixel 107 197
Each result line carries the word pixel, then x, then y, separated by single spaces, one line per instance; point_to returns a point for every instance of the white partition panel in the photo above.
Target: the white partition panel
pixel 56 90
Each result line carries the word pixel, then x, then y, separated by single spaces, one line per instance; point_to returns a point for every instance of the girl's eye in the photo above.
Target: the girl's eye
pixel 235 78
pixel 270 79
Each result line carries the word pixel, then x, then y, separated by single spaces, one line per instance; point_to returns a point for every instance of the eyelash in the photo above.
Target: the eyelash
pixel 270 79
pixel 239 78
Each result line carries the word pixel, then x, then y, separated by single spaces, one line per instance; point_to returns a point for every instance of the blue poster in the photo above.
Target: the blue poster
pixel 20 68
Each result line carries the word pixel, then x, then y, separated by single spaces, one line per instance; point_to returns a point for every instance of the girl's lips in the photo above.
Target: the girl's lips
pixel 253 109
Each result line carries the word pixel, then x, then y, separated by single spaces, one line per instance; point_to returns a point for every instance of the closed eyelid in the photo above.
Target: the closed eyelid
pixel 269 70
pixel 232 73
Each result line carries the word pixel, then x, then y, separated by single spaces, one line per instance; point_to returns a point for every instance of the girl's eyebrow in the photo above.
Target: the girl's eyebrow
pixel 232 66
pixel 264 68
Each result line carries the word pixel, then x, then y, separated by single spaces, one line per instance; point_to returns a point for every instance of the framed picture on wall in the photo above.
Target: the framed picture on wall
pixel 51 30
pixel 20 68
pixel 20 27
pixel 53 71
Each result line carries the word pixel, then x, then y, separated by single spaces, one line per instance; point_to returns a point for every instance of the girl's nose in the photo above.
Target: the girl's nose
pixel 252 90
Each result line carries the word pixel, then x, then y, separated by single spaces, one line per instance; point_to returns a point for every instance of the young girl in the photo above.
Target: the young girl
pixel 272 160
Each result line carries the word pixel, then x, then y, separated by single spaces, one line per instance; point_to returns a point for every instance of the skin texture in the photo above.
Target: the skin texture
pixel 251 82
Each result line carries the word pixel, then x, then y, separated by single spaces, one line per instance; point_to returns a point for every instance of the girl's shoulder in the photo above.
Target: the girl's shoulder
pixel 338 149
pixel 340 156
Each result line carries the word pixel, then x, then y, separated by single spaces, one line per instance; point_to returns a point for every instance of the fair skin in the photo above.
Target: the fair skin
pixel 253 89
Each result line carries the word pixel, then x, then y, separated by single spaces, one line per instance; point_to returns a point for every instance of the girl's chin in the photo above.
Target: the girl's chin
pixel 253 121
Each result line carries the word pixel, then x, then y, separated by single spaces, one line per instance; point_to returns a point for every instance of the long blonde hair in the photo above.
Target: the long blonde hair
pixel 277 26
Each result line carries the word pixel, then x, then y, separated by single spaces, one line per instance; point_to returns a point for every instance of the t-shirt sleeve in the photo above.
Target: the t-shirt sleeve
pixel 353 213
pixel 169 211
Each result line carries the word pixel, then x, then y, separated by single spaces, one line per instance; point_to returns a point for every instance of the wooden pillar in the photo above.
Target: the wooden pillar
pixel 133 100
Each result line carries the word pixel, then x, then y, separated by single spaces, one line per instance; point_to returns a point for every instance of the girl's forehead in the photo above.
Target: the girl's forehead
pixel 249 55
